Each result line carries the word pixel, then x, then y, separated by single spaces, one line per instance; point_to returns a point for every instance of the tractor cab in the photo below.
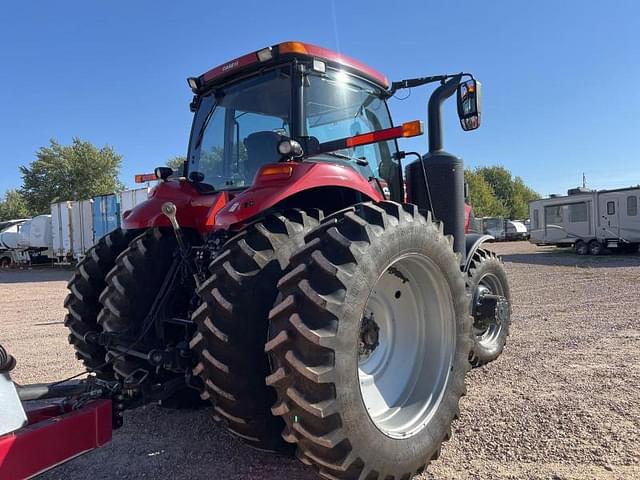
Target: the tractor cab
pixel 246 108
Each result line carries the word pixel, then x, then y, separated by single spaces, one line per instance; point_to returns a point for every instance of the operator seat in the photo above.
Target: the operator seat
pixel 262 148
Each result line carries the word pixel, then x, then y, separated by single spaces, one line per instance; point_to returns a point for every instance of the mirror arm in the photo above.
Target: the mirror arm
pixel 439 95
pixel 417 82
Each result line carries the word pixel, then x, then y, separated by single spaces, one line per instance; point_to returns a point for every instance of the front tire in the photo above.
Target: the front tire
pixel 486 275
pixel 361 269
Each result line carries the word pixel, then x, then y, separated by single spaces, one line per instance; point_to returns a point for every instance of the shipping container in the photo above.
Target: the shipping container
pixel 106 215
pixel 82 227
pixel 130 198
pixel 61 237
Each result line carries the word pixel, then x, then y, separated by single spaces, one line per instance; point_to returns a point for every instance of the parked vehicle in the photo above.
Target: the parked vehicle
pixel 590 221
pixel 515 230
pixel 282 278
pixel 10 251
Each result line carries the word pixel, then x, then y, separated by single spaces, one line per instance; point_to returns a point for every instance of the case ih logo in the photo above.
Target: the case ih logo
pixel 230 65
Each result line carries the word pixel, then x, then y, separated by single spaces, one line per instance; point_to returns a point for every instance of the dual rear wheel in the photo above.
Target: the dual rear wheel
pixel 367 344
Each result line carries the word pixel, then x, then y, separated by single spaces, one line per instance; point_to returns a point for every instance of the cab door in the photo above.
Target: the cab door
pixel 609 216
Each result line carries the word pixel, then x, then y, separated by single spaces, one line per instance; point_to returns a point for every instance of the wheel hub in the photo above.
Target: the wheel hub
pixel 369 337
pixel 490 310
pixel 406 346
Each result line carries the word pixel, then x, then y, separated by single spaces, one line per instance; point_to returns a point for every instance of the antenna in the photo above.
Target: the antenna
pixel 584 181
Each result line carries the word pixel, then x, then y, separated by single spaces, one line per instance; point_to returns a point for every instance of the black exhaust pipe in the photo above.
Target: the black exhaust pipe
pixel 436 182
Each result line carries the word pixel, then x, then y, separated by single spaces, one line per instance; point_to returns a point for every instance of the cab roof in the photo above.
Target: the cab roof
pixel 279 51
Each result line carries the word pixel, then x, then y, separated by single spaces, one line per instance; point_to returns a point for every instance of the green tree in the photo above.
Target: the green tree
pixel 177 163
pixel 13 206
pixel 512 193
pixel 482 197
pixel 500 181
pixel 68 172
pixel 522 195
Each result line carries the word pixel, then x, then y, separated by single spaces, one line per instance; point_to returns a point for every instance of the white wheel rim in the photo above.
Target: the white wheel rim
pixel 404 378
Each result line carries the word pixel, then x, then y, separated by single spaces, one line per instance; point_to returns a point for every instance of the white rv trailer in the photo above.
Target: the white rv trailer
pixel 588 220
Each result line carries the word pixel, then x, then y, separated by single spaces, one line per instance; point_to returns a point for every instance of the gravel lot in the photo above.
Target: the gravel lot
pixel 563 402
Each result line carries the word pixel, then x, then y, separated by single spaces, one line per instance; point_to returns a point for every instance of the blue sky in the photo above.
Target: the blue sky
pixel 558 76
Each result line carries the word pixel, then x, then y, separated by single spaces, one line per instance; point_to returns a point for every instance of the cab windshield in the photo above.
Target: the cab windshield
pixel 236 129
pixel 339 105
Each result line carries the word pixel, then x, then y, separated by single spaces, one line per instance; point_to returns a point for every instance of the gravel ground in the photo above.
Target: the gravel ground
pixel 563 402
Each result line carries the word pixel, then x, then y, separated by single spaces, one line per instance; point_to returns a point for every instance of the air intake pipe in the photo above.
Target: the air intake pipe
pixel 436 182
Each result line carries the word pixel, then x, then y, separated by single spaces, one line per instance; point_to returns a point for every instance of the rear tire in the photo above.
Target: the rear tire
pixel 232 324
pixel 320 345
pixel 595 247
pixel 581 248
pixel 83 304
pixel 132 287
pixel 486 274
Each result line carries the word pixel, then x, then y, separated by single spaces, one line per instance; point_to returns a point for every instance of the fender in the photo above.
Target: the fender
pixel 473 241
pixel 271 188
pixel 194 209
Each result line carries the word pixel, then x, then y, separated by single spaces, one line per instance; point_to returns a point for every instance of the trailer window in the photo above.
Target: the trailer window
pixel 611 208
pixel 632 206
pixel 536 219
pixel 553 214
pixel 578 212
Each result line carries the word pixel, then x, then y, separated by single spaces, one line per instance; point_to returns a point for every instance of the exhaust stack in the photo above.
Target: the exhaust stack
pixel 436 182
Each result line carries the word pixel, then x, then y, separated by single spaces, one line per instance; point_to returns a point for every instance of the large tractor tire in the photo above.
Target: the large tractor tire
pixel 486 275
pixel 232 324
pixel 83 304
pixel 132 288
pixel 369 343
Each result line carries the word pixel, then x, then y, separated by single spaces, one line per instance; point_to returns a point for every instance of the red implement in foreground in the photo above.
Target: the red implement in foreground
pixel 54 435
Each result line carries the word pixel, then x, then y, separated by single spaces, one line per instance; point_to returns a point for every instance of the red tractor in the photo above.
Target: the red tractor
pixel 287 277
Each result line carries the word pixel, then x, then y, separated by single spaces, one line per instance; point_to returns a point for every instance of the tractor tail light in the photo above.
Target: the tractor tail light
pixel 271 170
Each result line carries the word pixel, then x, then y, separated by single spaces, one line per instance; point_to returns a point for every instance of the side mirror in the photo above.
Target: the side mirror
pixel 469 104
pixel 163 172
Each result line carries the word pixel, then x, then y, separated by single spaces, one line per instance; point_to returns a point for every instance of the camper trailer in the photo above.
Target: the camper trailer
pixel 588 220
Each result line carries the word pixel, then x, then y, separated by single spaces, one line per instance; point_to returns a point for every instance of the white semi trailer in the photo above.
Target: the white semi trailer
pixel 590 221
